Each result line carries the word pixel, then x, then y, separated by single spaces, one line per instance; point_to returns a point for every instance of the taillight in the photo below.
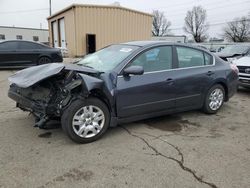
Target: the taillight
pixel 234 68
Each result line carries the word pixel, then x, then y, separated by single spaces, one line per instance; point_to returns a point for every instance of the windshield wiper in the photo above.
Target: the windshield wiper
pixel 88 66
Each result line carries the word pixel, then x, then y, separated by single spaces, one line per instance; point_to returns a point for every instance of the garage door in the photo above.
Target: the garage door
pixel 55 34
pixel 62 33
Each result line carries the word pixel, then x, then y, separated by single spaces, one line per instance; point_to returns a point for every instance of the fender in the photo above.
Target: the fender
pixel 89 82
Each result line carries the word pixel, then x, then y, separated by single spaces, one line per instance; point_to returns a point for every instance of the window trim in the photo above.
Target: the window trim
pixel 174 58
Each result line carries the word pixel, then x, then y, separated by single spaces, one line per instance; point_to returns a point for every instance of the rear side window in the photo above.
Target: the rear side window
pixel 189 57
pixel 155 59
pixel 30 45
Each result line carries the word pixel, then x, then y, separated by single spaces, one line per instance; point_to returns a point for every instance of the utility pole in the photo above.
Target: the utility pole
pixel 49 7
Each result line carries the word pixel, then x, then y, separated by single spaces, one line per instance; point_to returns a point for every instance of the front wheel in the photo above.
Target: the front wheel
pixel 86 120
pixel 214 99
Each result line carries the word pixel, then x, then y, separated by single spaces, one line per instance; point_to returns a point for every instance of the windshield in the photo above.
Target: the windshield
pixel 107 58
pixel 235 49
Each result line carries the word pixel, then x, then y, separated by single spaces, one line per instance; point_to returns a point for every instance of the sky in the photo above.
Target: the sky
pixel 33 13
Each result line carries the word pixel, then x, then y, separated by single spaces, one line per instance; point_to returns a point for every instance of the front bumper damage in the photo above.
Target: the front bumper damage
pixel 46 94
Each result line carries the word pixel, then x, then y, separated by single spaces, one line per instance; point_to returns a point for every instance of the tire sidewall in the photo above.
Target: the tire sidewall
pixel 206 106
pixel 69 113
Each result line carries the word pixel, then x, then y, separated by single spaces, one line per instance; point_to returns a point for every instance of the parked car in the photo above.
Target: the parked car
pixel 19 53
pixel 123 83
pixel 234 52
pixel 215 49
pixel 243 65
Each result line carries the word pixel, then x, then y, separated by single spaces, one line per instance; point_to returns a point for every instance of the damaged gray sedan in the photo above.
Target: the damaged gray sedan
pixel 123 83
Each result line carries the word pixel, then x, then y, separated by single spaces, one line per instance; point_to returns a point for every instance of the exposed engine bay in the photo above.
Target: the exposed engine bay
pixel 46 99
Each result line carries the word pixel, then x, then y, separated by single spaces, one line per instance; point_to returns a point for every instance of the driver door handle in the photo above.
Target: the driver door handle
pixel 209 73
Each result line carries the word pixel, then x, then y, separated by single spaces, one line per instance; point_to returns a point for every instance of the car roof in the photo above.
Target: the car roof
pixel 20 41
pixel 146 43
pixel 150 43
pixel 23 41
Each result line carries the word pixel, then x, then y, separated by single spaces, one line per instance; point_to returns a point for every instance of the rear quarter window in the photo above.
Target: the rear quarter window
pixel 208 59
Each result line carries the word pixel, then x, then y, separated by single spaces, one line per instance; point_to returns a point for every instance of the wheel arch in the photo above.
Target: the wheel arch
pixel 224 85
pixel 98 93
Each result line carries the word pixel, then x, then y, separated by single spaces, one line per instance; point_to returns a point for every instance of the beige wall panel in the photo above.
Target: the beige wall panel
pixel 110 26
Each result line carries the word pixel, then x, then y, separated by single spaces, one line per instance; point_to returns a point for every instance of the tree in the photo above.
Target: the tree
pixel 195 23
pixel 238 30
pixel 160 24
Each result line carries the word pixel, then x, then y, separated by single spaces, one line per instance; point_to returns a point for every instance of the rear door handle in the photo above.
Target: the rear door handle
pixel 209 73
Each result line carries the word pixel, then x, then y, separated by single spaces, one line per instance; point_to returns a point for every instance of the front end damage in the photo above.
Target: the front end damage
pixel 47 90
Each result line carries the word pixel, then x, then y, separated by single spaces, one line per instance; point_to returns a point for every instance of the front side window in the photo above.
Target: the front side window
pixel 107 58
pixel 156 59
pixel 189 57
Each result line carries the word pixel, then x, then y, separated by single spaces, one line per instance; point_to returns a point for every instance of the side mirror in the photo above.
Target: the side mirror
pixel 134 70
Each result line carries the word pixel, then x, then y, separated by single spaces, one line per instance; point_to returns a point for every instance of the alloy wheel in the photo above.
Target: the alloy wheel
pixel 88 121
pixel 216 99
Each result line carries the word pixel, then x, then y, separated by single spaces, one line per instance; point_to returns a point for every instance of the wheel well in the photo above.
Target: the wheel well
pixel 225 88
pixel 100 95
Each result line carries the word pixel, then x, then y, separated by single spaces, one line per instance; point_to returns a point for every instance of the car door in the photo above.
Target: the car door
pixel 8 53
pixel 193 75
pixel 150 92
pixel 28 52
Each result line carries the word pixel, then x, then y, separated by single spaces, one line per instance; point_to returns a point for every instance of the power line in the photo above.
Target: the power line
pixel 215 24
pixel 186 4
pixel 208 9
pixel 24 11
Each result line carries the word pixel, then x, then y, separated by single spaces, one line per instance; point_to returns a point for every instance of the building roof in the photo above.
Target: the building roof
pixel 97 6
pixel 10 27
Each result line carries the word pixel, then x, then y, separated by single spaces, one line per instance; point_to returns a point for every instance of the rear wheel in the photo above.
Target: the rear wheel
pixel 214 99
pixel 85 121
pixel 43 60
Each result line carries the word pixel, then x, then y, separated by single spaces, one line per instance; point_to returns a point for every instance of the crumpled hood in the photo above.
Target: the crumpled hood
pixel 28 77
pixel 226 55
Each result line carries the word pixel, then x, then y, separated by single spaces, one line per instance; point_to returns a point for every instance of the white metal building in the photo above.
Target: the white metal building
pixel 31 34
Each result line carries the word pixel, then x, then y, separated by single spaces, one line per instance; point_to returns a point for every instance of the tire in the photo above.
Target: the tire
pixel 81 125
pixel 214 101
pixel 43 60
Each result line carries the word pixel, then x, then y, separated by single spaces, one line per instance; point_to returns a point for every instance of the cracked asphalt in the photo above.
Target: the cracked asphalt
pixel 188 150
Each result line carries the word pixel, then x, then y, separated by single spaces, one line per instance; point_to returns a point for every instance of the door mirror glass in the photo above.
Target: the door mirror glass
pixel 133 70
